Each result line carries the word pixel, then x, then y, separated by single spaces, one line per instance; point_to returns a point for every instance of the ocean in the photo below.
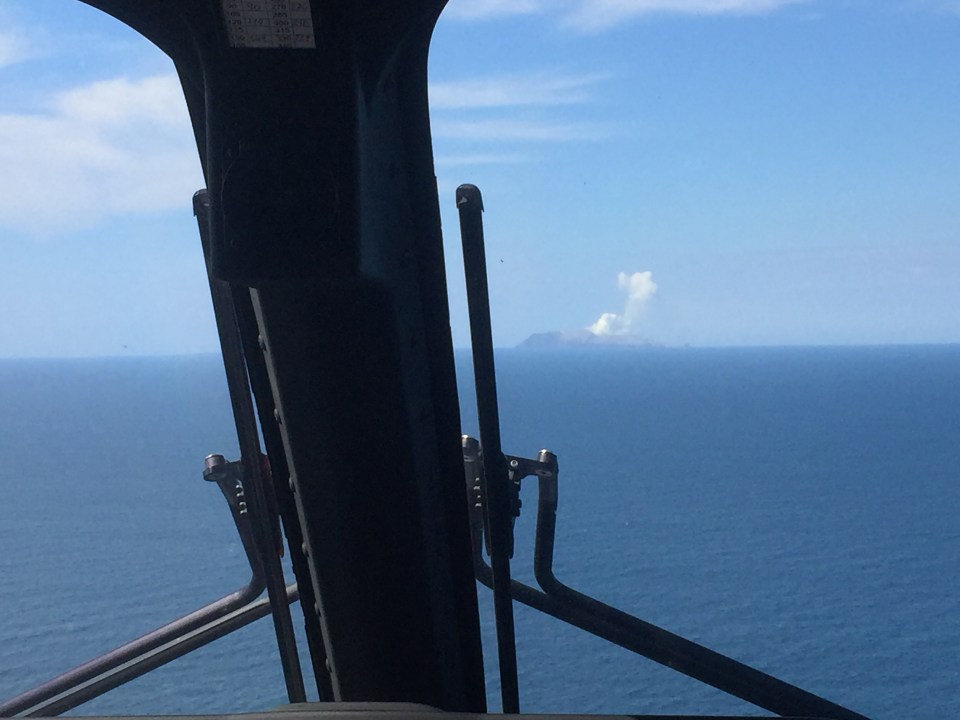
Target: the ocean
pixel 795 508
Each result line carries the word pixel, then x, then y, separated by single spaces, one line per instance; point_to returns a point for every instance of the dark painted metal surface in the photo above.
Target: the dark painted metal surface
pixel 35 701
pixel 259 382
pixel 323 201
pixel 286 504
pixel 323 217
pixel 148 660
pixel 629 632
pixel 257 480
pixel 666 648
pixel 494 480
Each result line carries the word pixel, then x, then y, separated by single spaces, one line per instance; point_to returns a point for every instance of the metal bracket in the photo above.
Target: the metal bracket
pixel 566 604
pixel 229 477
pixel 518 468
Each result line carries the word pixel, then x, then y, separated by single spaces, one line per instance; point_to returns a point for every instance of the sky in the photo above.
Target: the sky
pixel 696 172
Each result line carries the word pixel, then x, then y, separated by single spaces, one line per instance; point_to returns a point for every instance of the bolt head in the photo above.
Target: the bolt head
pixel 214 460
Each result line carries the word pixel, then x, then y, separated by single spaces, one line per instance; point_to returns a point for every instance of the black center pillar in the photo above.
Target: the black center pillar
pixel 323 207
pixel 341 245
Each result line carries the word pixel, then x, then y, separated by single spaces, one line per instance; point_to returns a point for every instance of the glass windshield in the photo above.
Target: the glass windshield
pixel 721 246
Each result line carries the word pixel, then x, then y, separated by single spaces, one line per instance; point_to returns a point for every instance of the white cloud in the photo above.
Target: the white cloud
pixel 484 9
pixel 591 15
pixel 119 102
pixel 480 159
pixel 112 147
pixel 599 14
pixel 512 91
pixel 640 288
pixel 456 105
pixel 13 49
pixel 517 130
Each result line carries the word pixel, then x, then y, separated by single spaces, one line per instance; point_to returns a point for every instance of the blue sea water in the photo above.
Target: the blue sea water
pixel 795 508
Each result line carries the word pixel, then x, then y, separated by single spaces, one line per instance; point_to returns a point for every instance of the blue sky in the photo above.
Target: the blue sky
pixel 787 172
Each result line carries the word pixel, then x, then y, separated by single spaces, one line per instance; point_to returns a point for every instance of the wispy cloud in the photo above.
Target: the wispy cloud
pixel 600 14
pixel 485 9
pixel 480 159
pixel 111 147
pixel 503 130
pixel 484 110
pixel 513 91
pixel 13 48
pixel 592 15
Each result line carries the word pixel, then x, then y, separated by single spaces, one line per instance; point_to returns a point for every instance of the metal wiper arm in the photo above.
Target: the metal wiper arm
pixel 620 628
pixel 145 661
pixel 664 647
pixel 259 535
pixel 494 474
pixel 31 701
pixel 266 529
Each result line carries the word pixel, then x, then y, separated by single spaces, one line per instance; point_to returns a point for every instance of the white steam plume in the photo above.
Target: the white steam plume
pixel 640 287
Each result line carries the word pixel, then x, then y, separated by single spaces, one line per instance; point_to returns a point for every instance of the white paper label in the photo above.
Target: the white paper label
pixel 269 23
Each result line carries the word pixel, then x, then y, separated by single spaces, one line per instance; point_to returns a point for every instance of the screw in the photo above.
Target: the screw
pixel 305 549
pixel 276 416
pixel 262 343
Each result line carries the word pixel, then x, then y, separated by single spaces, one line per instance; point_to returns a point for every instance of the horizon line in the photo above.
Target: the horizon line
pixel 467 348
